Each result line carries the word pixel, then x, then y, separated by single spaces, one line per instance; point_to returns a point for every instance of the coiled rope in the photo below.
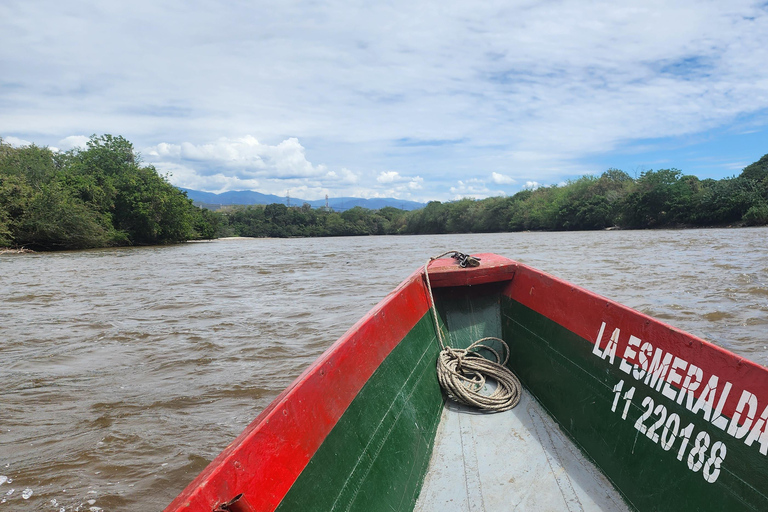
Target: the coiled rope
pixel 462 372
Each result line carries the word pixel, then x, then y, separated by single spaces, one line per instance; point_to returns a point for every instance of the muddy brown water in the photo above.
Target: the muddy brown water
pixel 123 372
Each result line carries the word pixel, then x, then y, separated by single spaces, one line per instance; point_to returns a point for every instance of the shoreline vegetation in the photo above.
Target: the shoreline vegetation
pixel 99 196
pixel 103 196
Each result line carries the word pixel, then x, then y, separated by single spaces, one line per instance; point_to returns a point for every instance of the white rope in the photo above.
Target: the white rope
pixel 462 372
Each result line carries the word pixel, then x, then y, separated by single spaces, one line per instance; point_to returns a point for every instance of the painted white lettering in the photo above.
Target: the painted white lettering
pixel 610 348
pixel 674 378
pixel 657 369
pixel 747 400
pixel 759 433
pixel 664 428
pixel 645 352
pixel 691 383
pixel 706 400
pixel 629 354
pixel 718 419
pixel 596 349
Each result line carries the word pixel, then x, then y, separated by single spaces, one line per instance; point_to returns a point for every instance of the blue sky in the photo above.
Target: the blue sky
pixel 414 100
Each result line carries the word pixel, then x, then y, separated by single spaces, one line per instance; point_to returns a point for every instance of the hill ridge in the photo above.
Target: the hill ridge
pixel 251 197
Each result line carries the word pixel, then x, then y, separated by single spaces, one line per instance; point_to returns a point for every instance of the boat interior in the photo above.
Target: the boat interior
pixel 513 460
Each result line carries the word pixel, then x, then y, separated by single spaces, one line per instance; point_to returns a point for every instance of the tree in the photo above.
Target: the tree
pixel 757 215
pixel 460 216
pixel 757 171
pixel 56 220
pixel 657 198
pixel 35 164
pixel 92 197
pixel 15 197
pixel 431 219
pixel 724 201
pixel 207 224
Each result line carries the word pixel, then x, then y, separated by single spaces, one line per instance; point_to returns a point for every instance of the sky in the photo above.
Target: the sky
pixel 413 100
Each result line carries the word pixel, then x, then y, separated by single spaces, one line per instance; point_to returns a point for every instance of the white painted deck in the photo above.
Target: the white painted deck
pixel 515 460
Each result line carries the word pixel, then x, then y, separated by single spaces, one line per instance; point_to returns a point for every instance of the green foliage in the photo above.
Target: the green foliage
pixel 431 219
pixel 56 220
pixel 757 215
pixel 278 220
pixel 103 196
pixel 660 198
pixel 650 201
pixel 99 196
pixel 724 201
pixel 35 164
pixel 757 171
pixel 535 209
pixel 583 204
pixel 206 223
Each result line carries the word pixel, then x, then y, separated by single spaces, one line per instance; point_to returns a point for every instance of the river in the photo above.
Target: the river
pixel 123 372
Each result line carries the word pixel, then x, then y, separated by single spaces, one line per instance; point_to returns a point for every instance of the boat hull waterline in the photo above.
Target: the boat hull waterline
pixel 671 421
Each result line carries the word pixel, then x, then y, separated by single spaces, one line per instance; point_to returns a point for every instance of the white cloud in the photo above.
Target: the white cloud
pixel 532 185
pixel 344 176
pixel 16 142
pixel 416 183
pixel 380 86
pixel 412 182
pixel 244 163
pixel 397 185
pixel 72 142
pixel 389 177
pixel 474 188
pixel 186 177
pixel 245 156
pixel 164 150
pixel 502 179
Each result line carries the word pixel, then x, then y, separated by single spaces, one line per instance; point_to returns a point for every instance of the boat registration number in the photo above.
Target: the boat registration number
pixel 680 384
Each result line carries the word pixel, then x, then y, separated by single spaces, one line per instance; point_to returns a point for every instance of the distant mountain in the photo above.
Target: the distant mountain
pixel 246 197
pixel 232 197
pixel 345 203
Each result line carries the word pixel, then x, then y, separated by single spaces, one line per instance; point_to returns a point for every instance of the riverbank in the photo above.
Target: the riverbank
pixel 673 227
pixel 6 250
